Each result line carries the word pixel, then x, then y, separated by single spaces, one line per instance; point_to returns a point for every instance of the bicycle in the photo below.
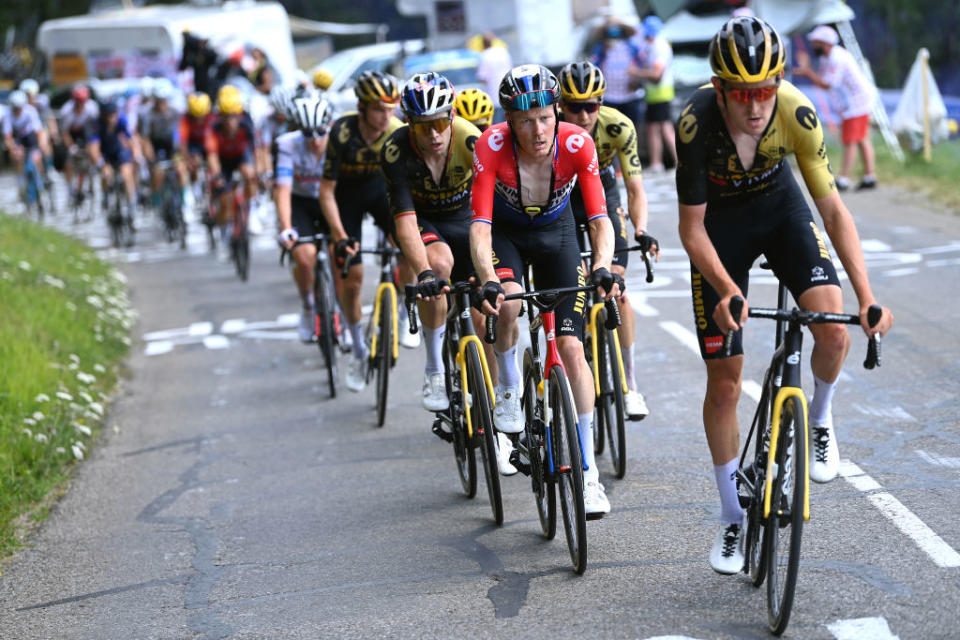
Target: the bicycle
pixel 470 391
pixel 115 201
pixel 381 333
pixel 551 439
pixel 86 176
pixel 240 237
pixel 774 485
pixel 602 349
pixel 326 321
pixel 33 189
pixel 171 205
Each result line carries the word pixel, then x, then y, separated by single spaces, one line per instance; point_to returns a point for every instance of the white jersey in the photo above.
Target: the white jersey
pixel 848 84
pixel 79 122
pixel 22 124
pixel 297 166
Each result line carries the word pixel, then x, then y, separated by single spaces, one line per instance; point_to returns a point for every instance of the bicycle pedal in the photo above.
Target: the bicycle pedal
pixel 438 431
pixel 521 466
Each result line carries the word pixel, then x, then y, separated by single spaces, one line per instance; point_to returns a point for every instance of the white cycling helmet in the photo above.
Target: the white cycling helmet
pixel 30 87
pixel 427 94
pixel 17 99
pixel 163 89
pixel 146 86
pixel 312 115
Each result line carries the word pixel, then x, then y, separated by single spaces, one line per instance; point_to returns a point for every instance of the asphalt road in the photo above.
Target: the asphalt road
pixel 229 498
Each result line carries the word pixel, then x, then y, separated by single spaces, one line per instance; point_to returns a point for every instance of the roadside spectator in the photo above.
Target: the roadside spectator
pixel 495 62
pixel 657 74
pixel 615 54
pixel 198 56
pixel 261 76
pixel 840 74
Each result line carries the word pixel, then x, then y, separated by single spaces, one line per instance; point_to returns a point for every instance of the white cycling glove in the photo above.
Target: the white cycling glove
pixel 287 235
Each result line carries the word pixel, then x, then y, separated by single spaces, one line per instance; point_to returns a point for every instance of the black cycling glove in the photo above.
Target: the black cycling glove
pixel 491 292
pixel 429 285
pixel 647 241
pixel 605 280
pixel 341 250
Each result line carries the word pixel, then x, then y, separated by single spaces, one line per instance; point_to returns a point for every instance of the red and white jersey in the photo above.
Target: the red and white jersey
pixel 495 177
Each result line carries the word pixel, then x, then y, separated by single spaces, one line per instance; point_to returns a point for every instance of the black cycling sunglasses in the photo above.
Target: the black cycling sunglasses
pixel 311 133
pixel 579 107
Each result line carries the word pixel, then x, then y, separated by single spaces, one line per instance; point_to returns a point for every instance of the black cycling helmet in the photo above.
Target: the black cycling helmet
pixel 582 81
pixel 746 49
pixel 528 86
pixel 427 94
pixel 374 86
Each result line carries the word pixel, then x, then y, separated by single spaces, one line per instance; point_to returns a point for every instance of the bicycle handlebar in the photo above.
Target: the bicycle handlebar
pixel 410 301
pixel 316 239
pixel 646 258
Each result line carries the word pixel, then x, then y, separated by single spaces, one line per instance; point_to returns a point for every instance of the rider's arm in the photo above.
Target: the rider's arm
pixel 282 198
pixel 402 207
pixel 481 206
pixel 481 251
pixel 408 237
pixel 637 207
pixel 700 249
pixel 331 212
pixel 213 152
pixel 595 204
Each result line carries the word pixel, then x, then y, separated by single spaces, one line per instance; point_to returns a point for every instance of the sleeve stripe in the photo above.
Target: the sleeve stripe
pixel 404 213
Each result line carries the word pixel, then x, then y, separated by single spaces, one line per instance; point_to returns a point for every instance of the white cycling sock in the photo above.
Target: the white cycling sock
pixel 822 402
pixel 309 301
pixel 507 364
pixel 730 510
pixel 627 354
pixel 591 473
pixel 401 310
pixel 433 341
pixel 356 332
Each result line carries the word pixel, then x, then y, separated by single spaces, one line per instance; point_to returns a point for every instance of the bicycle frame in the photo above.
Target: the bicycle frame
pixel 386 284
pixel 468 334
pixel 594 328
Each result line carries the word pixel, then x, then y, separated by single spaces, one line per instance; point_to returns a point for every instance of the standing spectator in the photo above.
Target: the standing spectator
pixel 616 55
pixel 657 73
pixel 494 63
pixel 262 75
pixel 198 55
pixel 841 75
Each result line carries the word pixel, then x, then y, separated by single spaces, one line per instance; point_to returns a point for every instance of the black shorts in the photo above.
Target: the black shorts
pixel 196 149
pixel 552 252
pixel 354 201
pixel 658 112
pixel 29 142
pixel 617 218
pixel 779 226
pixel 228 166
pixel 456 235
pixel 163 148
pixel 307 216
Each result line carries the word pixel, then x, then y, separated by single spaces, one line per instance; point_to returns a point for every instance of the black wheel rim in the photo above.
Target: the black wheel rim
pixel 568 470
pixel 384 353
pixel 482 420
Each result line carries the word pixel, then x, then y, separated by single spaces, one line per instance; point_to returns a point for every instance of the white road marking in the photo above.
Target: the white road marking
pixel 894 413
pixel 216 341
pixel 271 335
pixel 681 333
pixel 288 320
pixel 201 329
pixel 862 629
pixel 906 271
pixel 874 245
pixel 946 248
pixel 233 325
pixel 158 347
pixel 942 554
pixel 943 263
pixel 939 461
pixel 167 334
pixel 752 388
pixel 642 309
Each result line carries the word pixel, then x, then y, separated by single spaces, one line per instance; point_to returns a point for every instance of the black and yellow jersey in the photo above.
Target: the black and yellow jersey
pixel 614 134
pixel 349 157
pixel 709 169
pixel 410 185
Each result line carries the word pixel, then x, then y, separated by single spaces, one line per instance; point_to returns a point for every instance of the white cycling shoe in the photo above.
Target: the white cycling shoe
pixel 434 392
pixel 356 377
pixel 306 326
pixel 595 502
pixel 407 340
pixel 726 557
pixel 504 448
pixel 507 416
pixel 826 454
pixel 636 406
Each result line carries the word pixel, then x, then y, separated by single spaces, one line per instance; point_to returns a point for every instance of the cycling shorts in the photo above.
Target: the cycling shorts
pixel 163 148
pixel 197 149
pixel 356 200
pixel 617 218
pixel 29 141
pixel 306 216
pixel 552 252
pixel 229 165
pixel 778 226
pixel 456 235
pixel 117 157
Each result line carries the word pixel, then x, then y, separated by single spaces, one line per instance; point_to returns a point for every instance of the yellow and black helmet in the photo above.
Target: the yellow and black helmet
pixel 322 79
pixel 377 86
pixel 229 100
pixel 198 104
pixel 474 105
pixel 746 49
pixel 582 81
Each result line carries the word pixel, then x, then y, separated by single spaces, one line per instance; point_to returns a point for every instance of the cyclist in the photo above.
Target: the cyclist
pixel 300 156
pixel 353 184
pixel 193 127
pixel 22 131
pixel 48 128
pixel 78 121
pixel 159 129
pixel 475 106
pixel 229 141
pixel 111 149
pixel 738 198
pixel 524 171
pixel 582 86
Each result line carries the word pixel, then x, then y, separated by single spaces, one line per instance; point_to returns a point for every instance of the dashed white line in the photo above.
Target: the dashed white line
pixel 907 271
pixel 200 329
pixel 939 461
pixel 643 309
pixel 216 341
pixel 681 333
pixel 751 388
pixel 942 554
pixel 158 347
pixel 861 629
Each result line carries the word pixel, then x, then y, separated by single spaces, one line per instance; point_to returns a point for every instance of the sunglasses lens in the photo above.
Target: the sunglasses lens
pixel 746 95
pixel 424 128
pixel 580 107
pixel 530 99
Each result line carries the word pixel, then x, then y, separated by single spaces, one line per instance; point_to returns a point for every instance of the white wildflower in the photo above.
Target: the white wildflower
pixel 38 416
pixel 29 421
pixel 95 301
pixel 99 368
pixel 42 397
pixel 70 306
pixel 96 408
pixel 73 366
pixel 82 428
pixel 81 445
pixel 54 282
pixel 63 395
pixel 119 277
pixel 41 437
pixel 27 432
pixel 61 450
pixel 125 340
pixel 6 276
pixel 86 397
pixel 86 277
pixel 86 378
pixel 74 357
pixel 23 264
pixel 77 452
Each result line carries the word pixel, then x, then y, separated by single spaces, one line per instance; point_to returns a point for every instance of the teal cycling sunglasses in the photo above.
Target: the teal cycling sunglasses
pixel 531 99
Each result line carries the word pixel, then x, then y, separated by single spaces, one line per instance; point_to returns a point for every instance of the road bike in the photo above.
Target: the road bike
pixel 171 205
pixel 118 216
pixel 469 417
pixel 549 449
pixel 85 175
pixel 773 478
pixel 240 236
pixel 327 326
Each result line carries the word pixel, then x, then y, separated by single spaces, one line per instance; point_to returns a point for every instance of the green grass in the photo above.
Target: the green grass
pixel 64 325
pixel 936 179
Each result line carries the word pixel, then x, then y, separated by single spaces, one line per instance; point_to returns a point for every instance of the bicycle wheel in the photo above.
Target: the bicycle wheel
pixel 481 414
pixel 785 526
pixel 568 468
pixel 384 355
pixel 752 499
pixel 599 417
pixel 463 449
pixel 323 327
pixel 544 490
pixel 243 253
pixel 611 387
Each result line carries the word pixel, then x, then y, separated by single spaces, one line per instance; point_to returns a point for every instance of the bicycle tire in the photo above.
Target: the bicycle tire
pixel 784 530
pixel 382 359
pixel 755 549
pixel 324 329
pixel 616 428
pixel 544 488
pixel 463 450
pixel 599 418
pixel 568 468
pixel 481 412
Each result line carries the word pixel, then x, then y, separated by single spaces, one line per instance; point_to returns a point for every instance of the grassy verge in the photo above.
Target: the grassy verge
pixel 937 179
pixel 64 325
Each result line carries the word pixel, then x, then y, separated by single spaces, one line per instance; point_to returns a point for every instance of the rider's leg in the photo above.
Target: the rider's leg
pixel 508 331
pixel 304 259
pixel 350 304
pixel 249 181
pixel 581 383
pixel 433 314
pixel 722 430
pixel 830 348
